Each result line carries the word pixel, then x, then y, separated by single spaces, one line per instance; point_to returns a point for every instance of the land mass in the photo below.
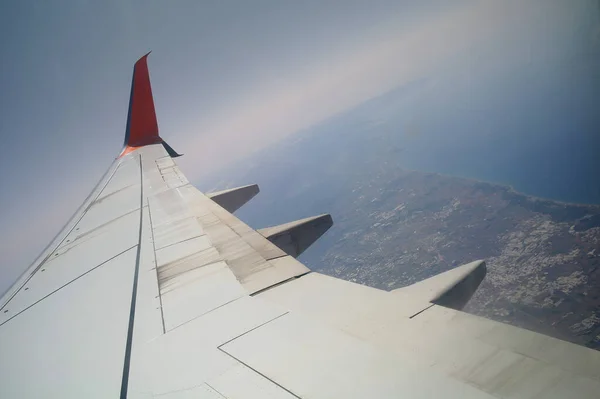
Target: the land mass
pixel 543 256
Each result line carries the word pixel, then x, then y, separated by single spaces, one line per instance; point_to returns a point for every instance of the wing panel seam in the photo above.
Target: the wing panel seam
pixel 68 283
pixel 220 347
pixel 88 202
pixel 129 342
pixel 162 316
pixel 178 242
pixel 259 373
pixel 207 312
pixel 280 283
pixel 252 329
pixel 421 311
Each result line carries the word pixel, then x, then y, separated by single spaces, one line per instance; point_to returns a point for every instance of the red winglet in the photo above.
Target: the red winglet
pixel 142 128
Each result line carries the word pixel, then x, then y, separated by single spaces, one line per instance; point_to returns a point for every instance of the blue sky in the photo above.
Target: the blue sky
pixel 229 78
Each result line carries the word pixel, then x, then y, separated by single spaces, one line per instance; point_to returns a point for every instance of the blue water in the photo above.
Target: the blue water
pixel 546 146
pixel 537 130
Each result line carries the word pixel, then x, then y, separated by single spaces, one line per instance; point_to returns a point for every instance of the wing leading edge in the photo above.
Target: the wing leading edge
pixel 153 288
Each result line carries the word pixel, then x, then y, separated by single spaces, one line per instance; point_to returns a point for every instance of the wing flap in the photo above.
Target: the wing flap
pixel 184 215
pixel 190 295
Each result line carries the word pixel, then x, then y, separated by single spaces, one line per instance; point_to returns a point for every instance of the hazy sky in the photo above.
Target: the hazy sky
pixel 229 78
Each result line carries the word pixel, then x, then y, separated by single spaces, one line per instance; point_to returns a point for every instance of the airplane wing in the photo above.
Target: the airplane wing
pixel 155 290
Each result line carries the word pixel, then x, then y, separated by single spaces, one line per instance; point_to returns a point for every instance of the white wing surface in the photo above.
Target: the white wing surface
pixel 154 289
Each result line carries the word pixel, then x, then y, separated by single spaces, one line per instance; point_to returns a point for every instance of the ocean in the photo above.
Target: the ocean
pixel 535 130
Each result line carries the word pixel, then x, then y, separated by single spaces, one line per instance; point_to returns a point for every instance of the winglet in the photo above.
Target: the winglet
pixel 142 127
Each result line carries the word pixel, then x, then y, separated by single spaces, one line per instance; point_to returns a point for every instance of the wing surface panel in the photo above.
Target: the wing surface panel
pixel 109 226
pixel 241 382
pixel 188 355
pixel 312 360
pixel 123 177
pixel 148 318
pixel 498 359
pixel 168 234
pixel 59 238
pixel 74 338
pixel 110 208
pixel 74 262
pixel 78 331
pixel 197 292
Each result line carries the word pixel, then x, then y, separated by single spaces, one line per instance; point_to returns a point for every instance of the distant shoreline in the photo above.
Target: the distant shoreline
pixel 290 141
pixel 509 188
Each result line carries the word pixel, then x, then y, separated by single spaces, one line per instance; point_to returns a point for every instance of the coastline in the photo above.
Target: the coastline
pixel 508 187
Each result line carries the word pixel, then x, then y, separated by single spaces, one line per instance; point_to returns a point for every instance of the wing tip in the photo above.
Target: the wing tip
pixel 142 58
pixel 142 126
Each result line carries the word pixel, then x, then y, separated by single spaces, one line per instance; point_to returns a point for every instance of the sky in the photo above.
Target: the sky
pixel 229 78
